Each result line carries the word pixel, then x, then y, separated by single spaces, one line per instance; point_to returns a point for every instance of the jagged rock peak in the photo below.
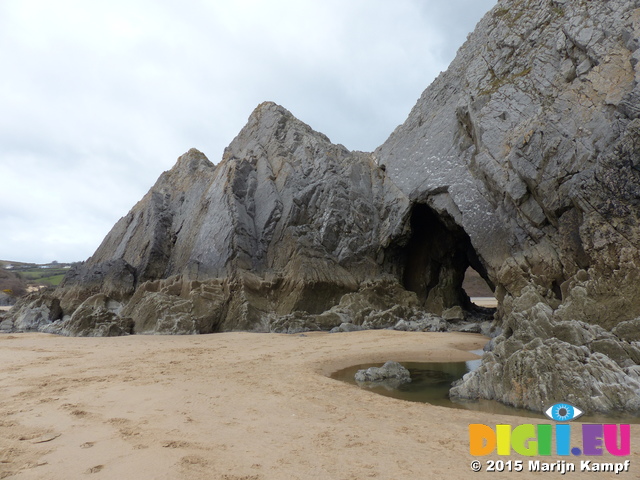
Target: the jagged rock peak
pixel 269 118
pixel 192 161
pixel 190 165
pixel 269 125
pixel 286 223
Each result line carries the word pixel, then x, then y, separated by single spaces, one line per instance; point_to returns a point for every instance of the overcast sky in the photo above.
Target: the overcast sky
pixel 100 97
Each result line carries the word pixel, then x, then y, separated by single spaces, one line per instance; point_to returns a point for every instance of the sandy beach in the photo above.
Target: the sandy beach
pixel 231 406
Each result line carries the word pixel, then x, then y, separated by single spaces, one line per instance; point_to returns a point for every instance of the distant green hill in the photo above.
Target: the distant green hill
pixel 17 277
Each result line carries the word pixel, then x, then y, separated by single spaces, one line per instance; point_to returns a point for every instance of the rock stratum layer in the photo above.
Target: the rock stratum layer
pixel 522 160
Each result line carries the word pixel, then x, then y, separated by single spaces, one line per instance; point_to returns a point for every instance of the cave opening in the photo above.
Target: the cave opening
pixel 438 258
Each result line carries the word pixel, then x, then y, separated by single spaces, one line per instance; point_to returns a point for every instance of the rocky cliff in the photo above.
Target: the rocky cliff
pixel 286 224
pixel 522 160
pixel 530 142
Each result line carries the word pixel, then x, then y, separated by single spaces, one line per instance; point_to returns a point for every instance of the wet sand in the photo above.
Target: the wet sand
pixel 232 406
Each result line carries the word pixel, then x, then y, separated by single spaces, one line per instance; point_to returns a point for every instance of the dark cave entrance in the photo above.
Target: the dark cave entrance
pixel 437 256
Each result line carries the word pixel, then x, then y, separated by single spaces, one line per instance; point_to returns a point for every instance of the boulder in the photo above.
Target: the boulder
pixel 32 312
pixel 97 316
pixel 628 331
pixel 391 375
pixel 346 327
pixel 428 323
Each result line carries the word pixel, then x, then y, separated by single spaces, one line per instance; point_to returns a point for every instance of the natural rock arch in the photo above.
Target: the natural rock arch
pixel 436 258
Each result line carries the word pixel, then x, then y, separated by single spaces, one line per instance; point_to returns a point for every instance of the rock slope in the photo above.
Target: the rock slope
pixel 530 142
pixel 286 222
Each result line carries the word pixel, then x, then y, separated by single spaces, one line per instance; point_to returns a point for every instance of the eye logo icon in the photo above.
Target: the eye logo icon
pixel 563 412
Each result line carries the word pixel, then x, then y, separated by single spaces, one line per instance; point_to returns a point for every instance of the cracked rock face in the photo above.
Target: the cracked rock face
pixel 530 142
pixel 287 223
pixel 522 160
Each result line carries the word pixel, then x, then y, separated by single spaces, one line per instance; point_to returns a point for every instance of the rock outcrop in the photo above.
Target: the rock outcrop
pixel 285 225
pixel 521 161
pixel 390 376
pixel 529 142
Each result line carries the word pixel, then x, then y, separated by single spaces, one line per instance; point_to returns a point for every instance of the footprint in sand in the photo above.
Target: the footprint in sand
pixel 176 444
pixel 87 444
pixel 95 469
pixel 193 460
pixel 118 421
pixel 127 427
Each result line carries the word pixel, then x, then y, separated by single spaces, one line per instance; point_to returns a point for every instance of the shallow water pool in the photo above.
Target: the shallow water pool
pixel 431 381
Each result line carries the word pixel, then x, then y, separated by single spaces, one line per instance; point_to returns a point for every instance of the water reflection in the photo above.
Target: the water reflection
pixel 430 382
pixel 473 364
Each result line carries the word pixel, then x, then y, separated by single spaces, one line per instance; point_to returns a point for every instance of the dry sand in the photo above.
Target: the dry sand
pixel 231 406
pixel 487 302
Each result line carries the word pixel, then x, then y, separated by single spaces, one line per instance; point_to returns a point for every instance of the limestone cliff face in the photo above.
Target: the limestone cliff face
pixel 279 184
pixel 522 160
pixel 527 139
pixel 530 142
pixel 286 222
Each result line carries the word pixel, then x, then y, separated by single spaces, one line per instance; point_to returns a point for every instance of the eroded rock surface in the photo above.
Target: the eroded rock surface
pixel 390 376
pixel 285 225
pixel 530 143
